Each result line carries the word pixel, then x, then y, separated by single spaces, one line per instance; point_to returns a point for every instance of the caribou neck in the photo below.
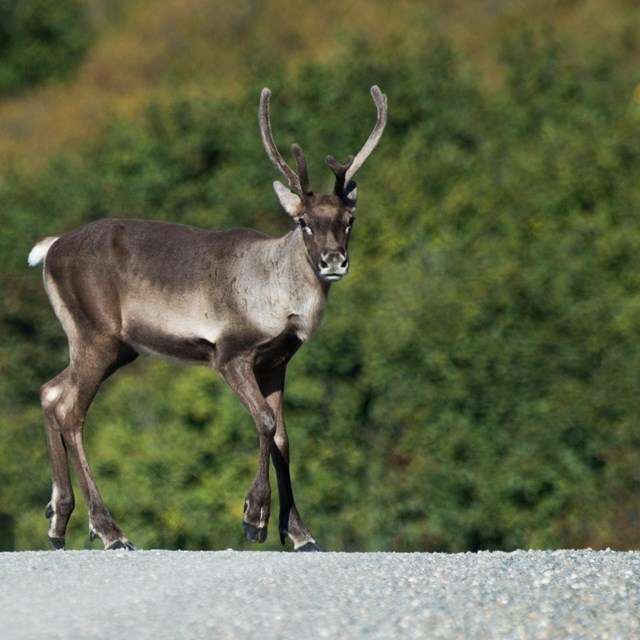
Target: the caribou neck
pixel 307 292
pixel 301 263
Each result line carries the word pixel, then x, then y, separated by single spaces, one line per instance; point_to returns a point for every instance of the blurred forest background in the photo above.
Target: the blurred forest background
pixel 476 380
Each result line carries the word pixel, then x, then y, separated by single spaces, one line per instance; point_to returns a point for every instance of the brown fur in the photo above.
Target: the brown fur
pixel 237 301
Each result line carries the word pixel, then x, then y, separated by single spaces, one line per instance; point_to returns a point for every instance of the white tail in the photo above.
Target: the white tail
pixel 39 252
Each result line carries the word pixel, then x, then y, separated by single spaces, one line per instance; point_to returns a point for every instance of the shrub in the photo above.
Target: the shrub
pixel 40 39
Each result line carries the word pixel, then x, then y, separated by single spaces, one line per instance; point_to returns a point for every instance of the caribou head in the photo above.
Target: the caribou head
pixel 326 220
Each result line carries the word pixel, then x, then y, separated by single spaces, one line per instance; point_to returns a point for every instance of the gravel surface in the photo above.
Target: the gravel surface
pixel 227 594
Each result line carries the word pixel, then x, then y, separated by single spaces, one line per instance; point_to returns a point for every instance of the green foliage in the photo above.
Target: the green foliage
pixel 40 39
pixel 474 384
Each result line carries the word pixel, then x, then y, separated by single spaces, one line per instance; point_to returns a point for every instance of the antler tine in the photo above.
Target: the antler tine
pixel 380 100
pixel 270 145
pixel 303 173
pixel 340 171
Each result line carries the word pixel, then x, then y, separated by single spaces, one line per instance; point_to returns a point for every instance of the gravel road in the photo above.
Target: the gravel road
pixel 184 594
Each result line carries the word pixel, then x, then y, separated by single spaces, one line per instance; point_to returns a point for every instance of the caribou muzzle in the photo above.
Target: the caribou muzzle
pixel 333 264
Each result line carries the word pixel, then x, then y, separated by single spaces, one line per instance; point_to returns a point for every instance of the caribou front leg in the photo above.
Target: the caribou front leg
pixel 290 523
pixel 238 373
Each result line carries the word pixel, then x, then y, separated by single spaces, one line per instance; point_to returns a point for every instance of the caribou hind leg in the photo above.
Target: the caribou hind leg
pixel 65 401
pixel 62 501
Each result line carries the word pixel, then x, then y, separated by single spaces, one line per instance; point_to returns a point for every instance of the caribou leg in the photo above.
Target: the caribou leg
pixel 290 523
pixel 65 401
pixel 239 375
pixel 62 501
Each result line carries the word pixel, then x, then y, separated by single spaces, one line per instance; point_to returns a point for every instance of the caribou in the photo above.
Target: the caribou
pixel 237 301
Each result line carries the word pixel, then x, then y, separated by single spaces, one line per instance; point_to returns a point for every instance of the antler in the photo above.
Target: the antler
pixel 272 150
pixel 303 175
pixel 380 100
pixel 345 171
pixel 340 171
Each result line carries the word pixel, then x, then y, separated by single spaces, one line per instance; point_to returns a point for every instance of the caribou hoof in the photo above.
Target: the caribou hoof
pixel 311 546
pixel 119 544
pixel 122 544
pixel 253 533
pixel 57 543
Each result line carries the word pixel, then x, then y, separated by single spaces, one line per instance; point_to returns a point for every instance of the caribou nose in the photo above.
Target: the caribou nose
pixel 333 263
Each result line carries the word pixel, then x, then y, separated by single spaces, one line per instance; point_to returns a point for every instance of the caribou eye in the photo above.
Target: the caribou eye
pixel 349 225
pixel 305 226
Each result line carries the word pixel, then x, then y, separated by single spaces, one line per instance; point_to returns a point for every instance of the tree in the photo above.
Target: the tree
pixel 40 39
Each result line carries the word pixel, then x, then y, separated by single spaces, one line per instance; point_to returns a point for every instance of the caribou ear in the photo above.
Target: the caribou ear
pixel 290 202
